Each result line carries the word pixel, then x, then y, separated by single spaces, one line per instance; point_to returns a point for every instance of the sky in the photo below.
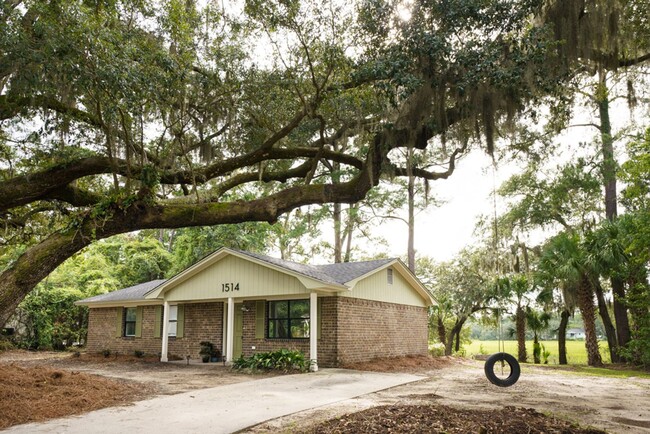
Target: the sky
pixel 442 231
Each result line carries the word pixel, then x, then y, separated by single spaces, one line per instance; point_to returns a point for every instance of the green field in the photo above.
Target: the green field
pixel 576 352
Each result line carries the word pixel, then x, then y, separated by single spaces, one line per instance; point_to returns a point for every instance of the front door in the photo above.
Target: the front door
pixel 239 331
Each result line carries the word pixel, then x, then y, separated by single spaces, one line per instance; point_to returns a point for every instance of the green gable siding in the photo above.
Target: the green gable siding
pixel 253 280
pixel 376 287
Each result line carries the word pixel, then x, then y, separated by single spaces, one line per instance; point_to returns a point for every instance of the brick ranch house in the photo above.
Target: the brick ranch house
pixel 244 303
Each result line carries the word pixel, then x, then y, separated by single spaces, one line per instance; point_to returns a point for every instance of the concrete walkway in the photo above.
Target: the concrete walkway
pixel 225 409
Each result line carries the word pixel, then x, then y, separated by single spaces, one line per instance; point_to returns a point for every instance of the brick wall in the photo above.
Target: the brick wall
pixel 326 344
pixel 370 329
pixel 352 330
pixel 203 321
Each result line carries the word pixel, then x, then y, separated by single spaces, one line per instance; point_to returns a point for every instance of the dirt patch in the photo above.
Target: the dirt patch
pixel 617 405
pixel 415 364
pixel 38 386
pixel 443 419
pixel 163 378
pixel 454 389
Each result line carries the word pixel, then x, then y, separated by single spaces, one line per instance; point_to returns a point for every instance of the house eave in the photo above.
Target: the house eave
pixel 120 303
pixel 309 282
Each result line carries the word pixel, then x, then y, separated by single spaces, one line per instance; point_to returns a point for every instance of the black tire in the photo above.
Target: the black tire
pixel 515 370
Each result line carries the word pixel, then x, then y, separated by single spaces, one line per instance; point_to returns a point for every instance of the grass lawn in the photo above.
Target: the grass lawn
pixel 576 352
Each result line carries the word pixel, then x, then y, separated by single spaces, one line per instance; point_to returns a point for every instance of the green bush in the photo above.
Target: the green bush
pixel 139 353
pixel 6 344
pixel 282 360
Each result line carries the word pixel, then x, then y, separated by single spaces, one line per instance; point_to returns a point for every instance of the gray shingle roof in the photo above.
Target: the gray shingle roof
pixel 330 273
pixel 337 274
pixel 346 271
pixel 136 292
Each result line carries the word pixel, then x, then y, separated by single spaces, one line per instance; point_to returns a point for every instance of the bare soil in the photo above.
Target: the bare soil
pixel 453 396
pixel 456 390
pixel 37 386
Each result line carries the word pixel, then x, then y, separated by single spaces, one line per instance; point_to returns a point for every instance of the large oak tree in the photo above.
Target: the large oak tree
pixel 120 115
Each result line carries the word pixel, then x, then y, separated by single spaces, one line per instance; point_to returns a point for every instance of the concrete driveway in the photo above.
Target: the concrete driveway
pixel 226 409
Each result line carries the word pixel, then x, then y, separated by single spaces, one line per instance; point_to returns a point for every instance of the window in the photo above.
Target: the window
pixel 130 316
pixel 389 276
pixel 173 320
pixel 288 319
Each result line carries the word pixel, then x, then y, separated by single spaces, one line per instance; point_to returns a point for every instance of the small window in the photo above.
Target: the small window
pixel 389 276
pixel 173 321
pixel 288 319
pixel 129 321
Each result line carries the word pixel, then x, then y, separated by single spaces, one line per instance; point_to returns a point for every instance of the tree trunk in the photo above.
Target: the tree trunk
pixel 454 337
pixel 348 232
pixel 520 323
pixel 561 336
pixel 585 300
pixel 338 244
pixel 442 333
pixel 610 331
pixel 33 266
pixel 611 212
pixel 411 210
pixel 536 350
pixel 449 343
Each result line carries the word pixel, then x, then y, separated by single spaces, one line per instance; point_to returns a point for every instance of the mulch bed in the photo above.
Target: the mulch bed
pixel 403 364
pixel 442 419
pixel 32 394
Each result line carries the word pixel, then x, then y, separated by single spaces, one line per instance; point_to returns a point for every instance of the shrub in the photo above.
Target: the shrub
pixel 6 344
pixel 139 354
pixel 545 354
pixel 282 360
pixel 106 352
pixel 437 350
pixel 207 348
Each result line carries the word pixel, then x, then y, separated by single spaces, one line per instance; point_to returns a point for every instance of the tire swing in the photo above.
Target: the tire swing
pixel 501 379
pixel 500 376
pixel 495 365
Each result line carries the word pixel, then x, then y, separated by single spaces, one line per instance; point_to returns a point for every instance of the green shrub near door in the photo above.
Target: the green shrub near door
pixel 282 360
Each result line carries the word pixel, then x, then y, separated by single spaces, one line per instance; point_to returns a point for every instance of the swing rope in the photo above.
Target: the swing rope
pixel 501 356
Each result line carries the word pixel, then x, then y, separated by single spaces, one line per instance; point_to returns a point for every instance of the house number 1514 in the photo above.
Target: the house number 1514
pixel 227 287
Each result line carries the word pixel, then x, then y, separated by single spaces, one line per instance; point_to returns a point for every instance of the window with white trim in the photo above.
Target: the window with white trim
pixel 173 321
pixel 389 276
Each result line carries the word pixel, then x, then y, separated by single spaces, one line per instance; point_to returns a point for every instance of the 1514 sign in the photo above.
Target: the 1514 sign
pixel 228 287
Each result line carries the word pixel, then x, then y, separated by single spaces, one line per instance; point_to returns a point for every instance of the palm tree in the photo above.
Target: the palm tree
pixel 514 289
pixel 537 321
pixel 565 304
pixel 564 262
pixel 607 255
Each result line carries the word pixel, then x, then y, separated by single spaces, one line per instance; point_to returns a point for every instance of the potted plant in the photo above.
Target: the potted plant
pixel 215 356
pixel 207 348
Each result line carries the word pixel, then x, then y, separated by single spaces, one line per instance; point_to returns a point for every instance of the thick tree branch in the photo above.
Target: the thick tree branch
pixel 422 173
pixel 40 260
pixel 50 183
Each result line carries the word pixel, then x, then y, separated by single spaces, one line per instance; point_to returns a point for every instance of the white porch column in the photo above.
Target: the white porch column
pixel 224 331
pixel 165 332
pixel 230 329
pixel 313 332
